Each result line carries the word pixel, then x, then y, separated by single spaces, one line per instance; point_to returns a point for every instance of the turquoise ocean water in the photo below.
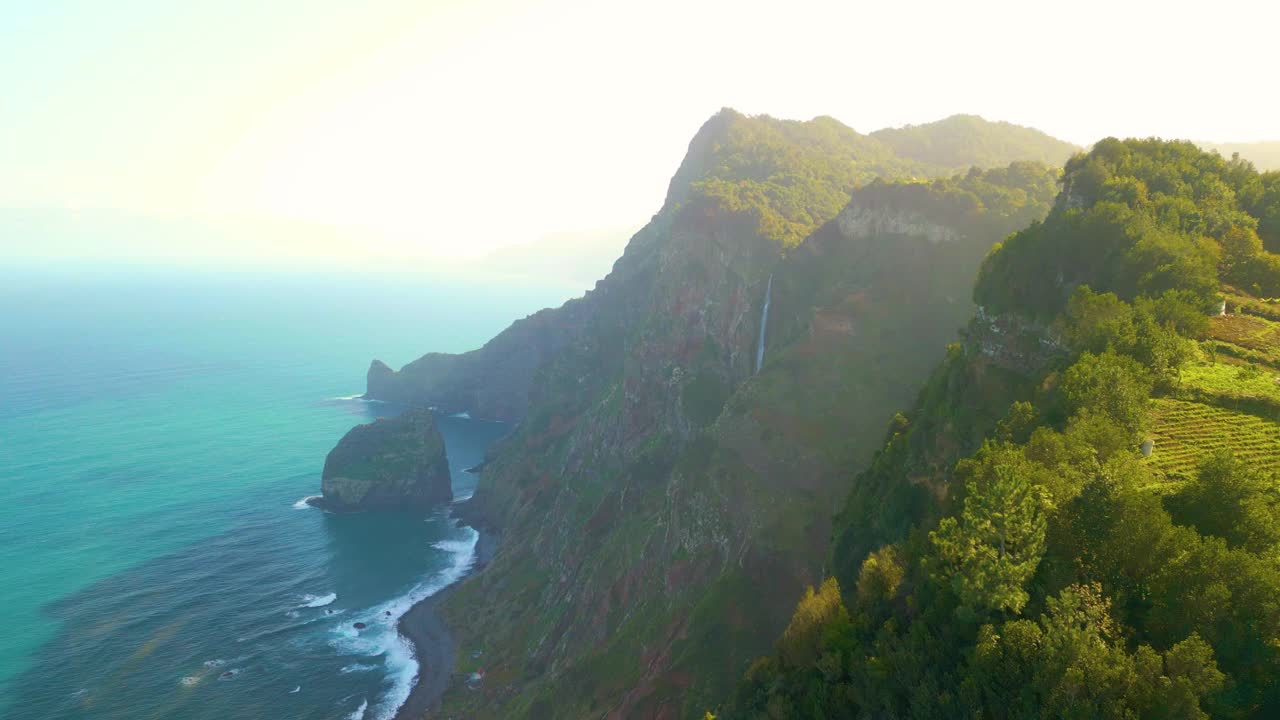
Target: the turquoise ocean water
pixel 157 430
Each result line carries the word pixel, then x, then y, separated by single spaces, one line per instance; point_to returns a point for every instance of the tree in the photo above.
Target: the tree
pixel 1232 501
pixel 1181 310
pixel 1084 672
pixel 1109 384
pixel 1164 260
pixel 880 576
pixel 1190 675
pixel 1097 322
pixel 1073 664
pixel 1240 245
pixel 1018 424
pixel 818 614
pixel 1161 349
pixel 994 548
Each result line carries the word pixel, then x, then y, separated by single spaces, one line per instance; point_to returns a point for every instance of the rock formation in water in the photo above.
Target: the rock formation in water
pixel 395 463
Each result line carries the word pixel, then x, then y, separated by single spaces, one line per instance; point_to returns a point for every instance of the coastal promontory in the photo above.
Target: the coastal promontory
pixel 395 463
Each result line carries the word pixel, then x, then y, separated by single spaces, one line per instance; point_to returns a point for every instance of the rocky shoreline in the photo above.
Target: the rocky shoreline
pixel 432 643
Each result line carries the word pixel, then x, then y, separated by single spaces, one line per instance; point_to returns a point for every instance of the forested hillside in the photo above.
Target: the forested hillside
pixel 658 478
pixel 666 494
pixel 963 140
pixel 1080 517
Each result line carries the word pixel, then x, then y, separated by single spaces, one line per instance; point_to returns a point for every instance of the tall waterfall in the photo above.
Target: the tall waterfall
pixel 764 323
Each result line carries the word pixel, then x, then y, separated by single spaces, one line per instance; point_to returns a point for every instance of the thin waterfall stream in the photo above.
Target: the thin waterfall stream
pixel 764 323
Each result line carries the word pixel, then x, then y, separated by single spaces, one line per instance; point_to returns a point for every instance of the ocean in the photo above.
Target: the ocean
pixel 158 430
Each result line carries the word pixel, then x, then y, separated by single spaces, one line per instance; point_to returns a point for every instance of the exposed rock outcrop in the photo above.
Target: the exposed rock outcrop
pixel 859 221
pixel 395 463
pixel 1014 342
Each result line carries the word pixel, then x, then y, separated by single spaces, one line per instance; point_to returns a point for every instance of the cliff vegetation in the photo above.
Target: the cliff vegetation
pixel 663 500
pixel 1080 516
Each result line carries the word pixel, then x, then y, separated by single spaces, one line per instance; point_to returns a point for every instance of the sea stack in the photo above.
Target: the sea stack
pixel 395 463
pixel 380 382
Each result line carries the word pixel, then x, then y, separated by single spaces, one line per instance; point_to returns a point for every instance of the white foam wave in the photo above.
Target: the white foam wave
pixel 315 601
pixel 305 502
pixel 357 667
pixel 464 415
pixel 401 662
pixel 381 637
pixel 358 398
pixel 297 689
pixel 457 547
pixel 215 663
pixel 358 713
pixel 190 680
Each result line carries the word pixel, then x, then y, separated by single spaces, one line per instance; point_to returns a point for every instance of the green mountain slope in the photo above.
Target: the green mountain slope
pixel 964 140
pixel 1080 516
pixel 661 503
pixel 682 547
pixel 1265 155
pixel 659 499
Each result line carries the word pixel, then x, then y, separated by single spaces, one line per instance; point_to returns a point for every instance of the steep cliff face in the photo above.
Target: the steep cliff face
pixel 490 382
pixel 496 381
pixel 395 463
pixel 759 185
pixel 663 506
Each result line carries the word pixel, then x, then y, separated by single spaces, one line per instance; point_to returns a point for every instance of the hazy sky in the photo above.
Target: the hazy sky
pixel 458 126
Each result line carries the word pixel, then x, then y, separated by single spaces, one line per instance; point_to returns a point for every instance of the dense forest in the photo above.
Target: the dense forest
pixel 1080 517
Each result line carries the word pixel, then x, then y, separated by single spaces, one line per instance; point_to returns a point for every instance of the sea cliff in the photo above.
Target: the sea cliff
pixel 394 463
pixel 662 504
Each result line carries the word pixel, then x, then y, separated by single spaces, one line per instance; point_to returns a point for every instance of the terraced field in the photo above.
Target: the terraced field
pixel 1247 337
pixel 1186 431
pixel 1246 387
pixel 1244 304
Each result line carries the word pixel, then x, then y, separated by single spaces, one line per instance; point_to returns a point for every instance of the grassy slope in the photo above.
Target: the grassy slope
pixel 1228 399
pixel 1187 431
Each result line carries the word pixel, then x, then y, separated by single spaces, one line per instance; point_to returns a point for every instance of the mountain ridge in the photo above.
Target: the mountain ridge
pixel 491 382
pixel 654 477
